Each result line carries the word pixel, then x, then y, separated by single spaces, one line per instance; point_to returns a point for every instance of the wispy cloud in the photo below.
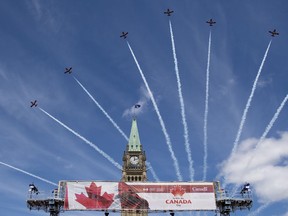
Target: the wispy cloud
pixel 2 73
pixel 144 99
pixel 37 8
pixel 264 82
pixel 44 13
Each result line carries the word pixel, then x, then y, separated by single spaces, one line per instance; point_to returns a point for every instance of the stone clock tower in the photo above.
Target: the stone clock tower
pixel 134 167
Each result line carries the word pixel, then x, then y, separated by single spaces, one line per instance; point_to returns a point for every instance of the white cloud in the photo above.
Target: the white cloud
pixel 265 168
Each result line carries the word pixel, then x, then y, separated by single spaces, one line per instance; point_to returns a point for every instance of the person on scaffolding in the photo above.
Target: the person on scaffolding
pixel 245 189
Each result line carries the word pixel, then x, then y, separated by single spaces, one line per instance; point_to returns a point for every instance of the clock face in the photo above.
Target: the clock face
pixel 134 160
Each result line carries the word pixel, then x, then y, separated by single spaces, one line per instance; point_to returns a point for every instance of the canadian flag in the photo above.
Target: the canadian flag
pixel 90 195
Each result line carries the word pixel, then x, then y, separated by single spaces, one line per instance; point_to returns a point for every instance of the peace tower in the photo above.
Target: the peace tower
pixel 134 166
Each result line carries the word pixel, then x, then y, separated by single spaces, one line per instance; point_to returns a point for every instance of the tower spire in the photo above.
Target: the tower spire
pixel 134 139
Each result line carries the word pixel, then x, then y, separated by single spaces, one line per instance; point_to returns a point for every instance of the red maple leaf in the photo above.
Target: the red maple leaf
pixel 178 190
pixel 95 200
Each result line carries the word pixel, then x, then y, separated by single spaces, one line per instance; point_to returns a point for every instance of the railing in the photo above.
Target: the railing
pixel 41 195
pixel 225 194
pixel 238 200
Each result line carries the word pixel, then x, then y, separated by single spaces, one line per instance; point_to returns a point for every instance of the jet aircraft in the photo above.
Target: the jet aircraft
pixel 34 103
pixel 124 35
pixel 137 106
pixel 211 22
pixel 68 70
pixel 273 33
pixel 168 12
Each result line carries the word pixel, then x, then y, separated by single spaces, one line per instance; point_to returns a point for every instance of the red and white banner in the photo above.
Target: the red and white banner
pixel 117 196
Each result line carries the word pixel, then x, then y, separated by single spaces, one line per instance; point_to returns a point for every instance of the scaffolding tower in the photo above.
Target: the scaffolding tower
pixel 48 203
pixel 226 203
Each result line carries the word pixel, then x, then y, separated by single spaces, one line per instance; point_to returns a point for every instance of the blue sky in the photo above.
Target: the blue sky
pixel 38 39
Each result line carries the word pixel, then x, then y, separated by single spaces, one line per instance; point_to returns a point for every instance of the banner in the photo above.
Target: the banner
pixel 119 196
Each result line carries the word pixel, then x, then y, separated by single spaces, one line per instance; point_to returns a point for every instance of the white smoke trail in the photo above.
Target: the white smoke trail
pixel 243 119
pixel 152 171
pixel 271 123
pixel 182 106
pixel 101 108
pixel 168 141
pixel 115 125
pixel 259 210
pixel 30 174
pixel 85 140
pixel 206 111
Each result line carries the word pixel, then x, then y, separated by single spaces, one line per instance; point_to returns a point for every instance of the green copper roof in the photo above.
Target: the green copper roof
pixel 134 140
